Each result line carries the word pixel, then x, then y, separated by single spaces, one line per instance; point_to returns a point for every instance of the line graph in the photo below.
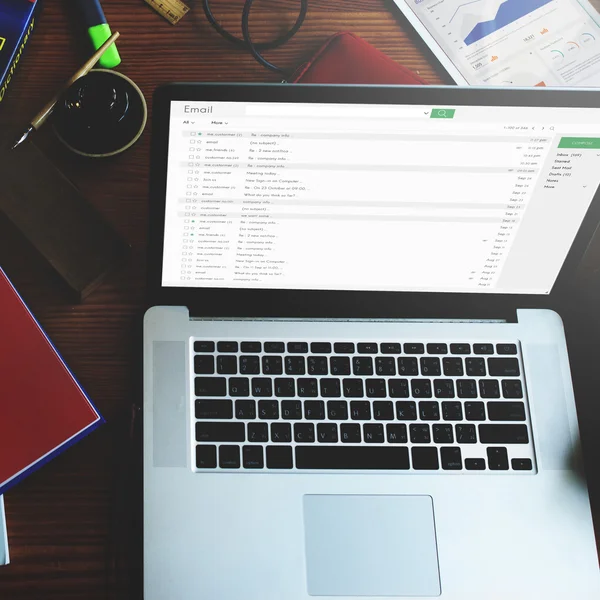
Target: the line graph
pixel 461 6
pixel 509 12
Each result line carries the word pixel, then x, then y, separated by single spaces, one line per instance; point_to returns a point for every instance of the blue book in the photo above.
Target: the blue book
pixel 4 558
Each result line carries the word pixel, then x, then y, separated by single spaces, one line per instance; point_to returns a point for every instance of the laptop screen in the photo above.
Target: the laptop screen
pixel 404 198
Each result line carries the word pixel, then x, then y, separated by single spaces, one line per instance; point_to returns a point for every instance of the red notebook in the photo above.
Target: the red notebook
pixel 43 409
pixel 347 58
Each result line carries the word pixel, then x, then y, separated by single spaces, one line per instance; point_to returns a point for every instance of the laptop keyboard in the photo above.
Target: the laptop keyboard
pixel 273 406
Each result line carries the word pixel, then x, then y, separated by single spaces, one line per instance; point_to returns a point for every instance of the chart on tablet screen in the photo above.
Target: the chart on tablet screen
pixel 517 42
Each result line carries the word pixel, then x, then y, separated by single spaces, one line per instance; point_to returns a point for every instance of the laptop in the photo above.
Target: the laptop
pixel 355 383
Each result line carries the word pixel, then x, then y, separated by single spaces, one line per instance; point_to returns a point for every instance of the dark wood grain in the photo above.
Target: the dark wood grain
pixel 66 522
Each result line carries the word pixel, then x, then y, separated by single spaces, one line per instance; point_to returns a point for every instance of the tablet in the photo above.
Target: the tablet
pixel 521 43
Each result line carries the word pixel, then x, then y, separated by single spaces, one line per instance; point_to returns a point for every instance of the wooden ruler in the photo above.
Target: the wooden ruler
pixel 172 10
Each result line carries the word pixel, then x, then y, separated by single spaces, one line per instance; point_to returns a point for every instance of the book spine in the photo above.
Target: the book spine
pixel 27 31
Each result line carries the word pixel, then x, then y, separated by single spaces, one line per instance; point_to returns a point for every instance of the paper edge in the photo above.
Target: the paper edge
pixel 4 555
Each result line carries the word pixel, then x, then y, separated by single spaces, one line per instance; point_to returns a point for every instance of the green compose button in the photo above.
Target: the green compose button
pixel 442 113
pixel 580 143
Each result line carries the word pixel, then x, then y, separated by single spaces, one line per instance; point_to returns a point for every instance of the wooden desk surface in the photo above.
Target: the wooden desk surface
pixel 63 520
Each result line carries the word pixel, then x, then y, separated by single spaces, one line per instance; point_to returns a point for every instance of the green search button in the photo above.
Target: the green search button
pixel 442 113
pixel 579 143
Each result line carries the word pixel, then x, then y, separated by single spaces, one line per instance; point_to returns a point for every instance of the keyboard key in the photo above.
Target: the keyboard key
pixel 396 433
pixel 249 365
pixel 452 411
pixel 391 348
pixel 204 364
pixel 307 388
pixel 317 365
pixel 506 348
pixel 245 409
pixel 451 459
pixel 297 347
pixel 330 388
pixel 521 464
pixel 337 410
pixel 474 411
pixel 408 366
pixel 506 411
pixel 210 386
pixel 285 387
pixel 424 458
pixel 227 346
pixel 239 386
pixel 214 409
pixel 268 409
pixel 202 346
pixel 466 388
pixel 414 348
pixel 504 367
pixel 343 348
pixel 442 434
pixel 252 456
pixel 320 348
pixel 503 434
pixel 227 365
pixel 453 367
pixel 383 410
pixel 398 388
pixel 258 432
pixel 430 366
pixel 206 457
pixel 229 457
pixel 327 433
pixel 489 388
pixel 368 348
pixel 314 410
pixel 375 388
pixel 291 409
pixel 373 433
pixel 353 388
pixel 279 457
pixel 352 457
pixel 220 432
pixel 475 367
pixel 406 411
pixel 281 433
pixel 385 365
pixel 360 410
pixel 497 459
pixel 483 349
pixel 460 348
pixel 437 348
pixel 429 411
pixel 420 433
pixel 251 347
pixel 274 347
pixel 475 464
pixel 340 365
pixel 262 387
pixel 350 433
pixel 304 433
pixel 512 388
pixel 362 365
pixel 294 365
pixel 272 365
pixel 443 388
pixel 421 388
pixel 465 434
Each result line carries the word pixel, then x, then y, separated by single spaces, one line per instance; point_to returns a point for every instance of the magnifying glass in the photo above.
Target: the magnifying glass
pixel 442 112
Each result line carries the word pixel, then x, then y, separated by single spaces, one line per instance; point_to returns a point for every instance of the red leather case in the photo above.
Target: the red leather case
pixel 347 58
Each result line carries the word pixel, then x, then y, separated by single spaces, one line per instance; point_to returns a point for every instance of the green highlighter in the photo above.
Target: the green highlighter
pixel 99 31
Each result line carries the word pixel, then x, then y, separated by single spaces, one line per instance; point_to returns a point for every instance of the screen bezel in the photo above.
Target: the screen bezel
pixel 236 302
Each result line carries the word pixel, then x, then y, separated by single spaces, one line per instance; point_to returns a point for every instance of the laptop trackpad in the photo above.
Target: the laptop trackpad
pixel 370 546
